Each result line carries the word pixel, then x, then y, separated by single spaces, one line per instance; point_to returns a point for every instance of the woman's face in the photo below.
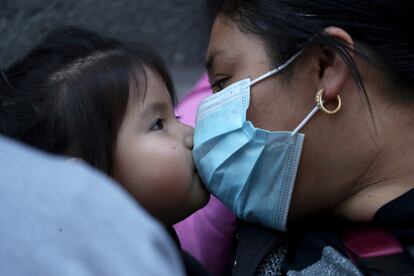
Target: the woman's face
pixel 323 183
pixel 233 56
pixel 153 157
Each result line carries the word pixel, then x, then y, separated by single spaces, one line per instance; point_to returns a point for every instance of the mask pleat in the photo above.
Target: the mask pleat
pixel 217 152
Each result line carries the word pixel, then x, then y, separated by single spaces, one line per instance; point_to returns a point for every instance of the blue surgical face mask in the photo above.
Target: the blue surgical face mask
pixel 251 170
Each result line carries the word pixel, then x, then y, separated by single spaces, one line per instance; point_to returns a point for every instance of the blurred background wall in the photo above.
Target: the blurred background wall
pixel 177 29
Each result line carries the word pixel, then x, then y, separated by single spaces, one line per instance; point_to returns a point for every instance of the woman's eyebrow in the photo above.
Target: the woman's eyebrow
pixel 211 59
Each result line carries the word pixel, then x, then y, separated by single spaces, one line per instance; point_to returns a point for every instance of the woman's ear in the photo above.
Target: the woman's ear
pixel 334 71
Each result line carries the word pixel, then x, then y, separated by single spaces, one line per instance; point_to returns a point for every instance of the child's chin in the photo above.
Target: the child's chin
pixel 205 199
pixel 200 203
pixel 180 219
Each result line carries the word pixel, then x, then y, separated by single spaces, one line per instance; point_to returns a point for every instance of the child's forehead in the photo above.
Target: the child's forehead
pixel 147 88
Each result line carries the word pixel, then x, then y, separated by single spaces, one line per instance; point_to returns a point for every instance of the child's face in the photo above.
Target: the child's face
pixel 153 159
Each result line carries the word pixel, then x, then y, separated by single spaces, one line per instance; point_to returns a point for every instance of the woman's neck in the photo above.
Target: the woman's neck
pixel 390 175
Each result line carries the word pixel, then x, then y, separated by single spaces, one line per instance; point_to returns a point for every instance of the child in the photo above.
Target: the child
pixel 110 105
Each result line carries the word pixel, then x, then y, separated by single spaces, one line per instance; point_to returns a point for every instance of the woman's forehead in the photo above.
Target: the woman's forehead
pixel 228 43
pixel 224 36
pixel 223 33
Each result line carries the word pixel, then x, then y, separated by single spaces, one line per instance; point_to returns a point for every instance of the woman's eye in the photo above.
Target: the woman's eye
pixel 157 125
pixel 219 84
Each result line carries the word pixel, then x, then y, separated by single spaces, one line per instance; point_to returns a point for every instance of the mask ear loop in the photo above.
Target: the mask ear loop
pixel 278 69
pixel 305 121
pixel 319 106
pixel 275 71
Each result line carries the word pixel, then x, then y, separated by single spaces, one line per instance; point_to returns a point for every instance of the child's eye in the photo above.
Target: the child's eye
pixel 157 125
pixel 219 84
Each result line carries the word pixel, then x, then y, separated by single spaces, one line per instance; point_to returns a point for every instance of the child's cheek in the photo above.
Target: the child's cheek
pixel 177 165
pixel 163 176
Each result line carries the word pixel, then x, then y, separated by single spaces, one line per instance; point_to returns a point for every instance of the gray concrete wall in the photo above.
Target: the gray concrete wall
pixel 177 29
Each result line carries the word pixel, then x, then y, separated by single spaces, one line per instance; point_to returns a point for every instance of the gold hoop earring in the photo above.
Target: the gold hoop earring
pixel 320 102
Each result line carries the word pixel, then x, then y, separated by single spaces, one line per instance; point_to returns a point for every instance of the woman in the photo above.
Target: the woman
pixel 344 79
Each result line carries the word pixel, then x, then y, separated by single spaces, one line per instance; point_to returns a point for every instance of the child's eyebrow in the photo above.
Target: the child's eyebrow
pixel 153 108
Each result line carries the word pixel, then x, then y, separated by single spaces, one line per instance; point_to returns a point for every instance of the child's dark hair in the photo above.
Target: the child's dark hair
pixel 69 94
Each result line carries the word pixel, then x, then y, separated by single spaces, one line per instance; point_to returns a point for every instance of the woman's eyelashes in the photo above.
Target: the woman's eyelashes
pixel 157 124
pixel 219 84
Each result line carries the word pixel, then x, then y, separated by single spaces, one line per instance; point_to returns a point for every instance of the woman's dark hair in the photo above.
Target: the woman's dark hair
pixel 383 27
pixel 69 94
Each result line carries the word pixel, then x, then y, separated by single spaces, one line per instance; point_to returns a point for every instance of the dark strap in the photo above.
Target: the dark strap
pixel 398 264
pixel 410 250
pixel 253 244
pixel 192 266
